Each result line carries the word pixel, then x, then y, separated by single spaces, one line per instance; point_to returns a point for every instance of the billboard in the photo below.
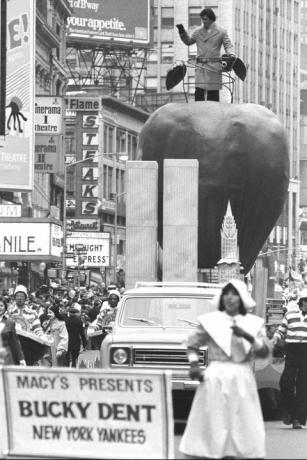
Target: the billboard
pixel 47 153
pixel 30 240
pixel 96 249
pixel 48 114
pixel 122 21
pixel 16 152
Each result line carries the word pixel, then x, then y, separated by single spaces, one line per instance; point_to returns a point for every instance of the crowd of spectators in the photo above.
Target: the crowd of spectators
pixel 61 322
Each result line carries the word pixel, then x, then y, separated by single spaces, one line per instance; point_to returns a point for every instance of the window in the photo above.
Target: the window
pixel 120 141
pixel 194 18
pixel 152 56
pixel 151 83
pixel 167 18
pixel 70 143
pixel 167 53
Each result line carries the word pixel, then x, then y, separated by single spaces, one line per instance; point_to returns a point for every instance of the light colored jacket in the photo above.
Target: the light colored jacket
pixel 57 330
pixel 209 43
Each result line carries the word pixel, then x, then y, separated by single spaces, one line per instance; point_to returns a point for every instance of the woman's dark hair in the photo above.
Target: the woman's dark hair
pixel 209 13
pixel 4 301
pixel 300 302
pixel 225 290
pixel 57 314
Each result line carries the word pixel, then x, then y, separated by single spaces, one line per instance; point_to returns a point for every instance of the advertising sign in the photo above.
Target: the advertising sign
pixel 30 239
pixel 47 152
pixel 16 153
pixel 120 20
pixel 10 210
pixel 56 239
pixel 96 248
pixel 48 114
pixel 86 414
pixel 74 104
pixel 83 225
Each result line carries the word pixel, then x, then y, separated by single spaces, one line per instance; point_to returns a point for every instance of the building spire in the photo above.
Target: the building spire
pixel 229 264
pixel 229 237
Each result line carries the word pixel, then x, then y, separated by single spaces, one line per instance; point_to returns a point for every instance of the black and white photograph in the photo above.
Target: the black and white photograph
pixel 153 229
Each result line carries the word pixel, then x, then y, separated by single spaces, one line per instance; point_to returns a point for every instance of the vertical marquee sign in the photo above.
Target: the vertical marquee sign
pixel 89 175
pixel 16 153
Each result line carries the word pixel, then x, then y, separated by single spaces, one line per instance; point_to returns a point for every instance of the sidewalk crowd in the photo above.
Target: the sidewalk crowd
pixel 61 323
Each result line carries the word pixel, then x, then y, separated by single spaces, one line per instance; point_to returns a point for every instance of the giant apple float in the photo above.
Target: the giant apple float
pixel 243 157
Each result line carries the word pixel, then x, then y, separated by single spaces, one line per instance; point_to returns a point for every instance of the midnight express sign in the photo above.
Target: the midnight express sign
pixel 74 414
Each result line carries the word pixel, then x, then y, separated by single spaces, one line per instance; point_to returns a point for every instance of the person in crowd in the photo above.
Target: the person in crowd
pixel 94 310
pixel 23 315
pixel 293 381
pixel 10 340
pixel 58 332
pixel 209 39
pixel 107 313
pixel 76 335
pixel 226 418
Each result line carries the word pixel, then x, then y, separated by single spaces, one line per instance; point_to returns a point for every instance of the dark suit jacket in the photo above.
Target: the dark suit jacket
pixel 11 341
pixel 76 332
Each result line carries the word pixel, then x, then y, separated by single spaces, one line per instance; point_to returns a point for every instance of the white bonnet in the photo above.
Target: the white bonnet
pixel 240 286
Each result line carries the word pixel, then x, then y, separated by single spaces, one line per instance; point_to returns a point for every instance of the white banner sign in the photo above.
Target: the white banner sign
pixel 10 210
pixel 16 153
pixel 30 239
pixel 48 114
pixel 96 248
pixel 93 414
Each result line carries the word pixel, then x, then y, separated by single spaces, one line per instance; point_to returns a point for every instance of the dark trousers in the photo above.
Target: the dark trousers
pixel 72 356
pixel 212 95
pixel 293 382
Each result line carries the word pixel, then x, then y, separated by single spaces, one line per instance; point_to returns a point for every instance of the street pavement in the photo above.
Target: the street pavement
pixel 282 442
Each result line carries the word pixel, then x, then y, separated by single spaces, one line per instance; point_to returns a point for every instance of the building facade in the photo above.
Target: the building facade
pixel 101 134
pixel 40 208
pixel 303 139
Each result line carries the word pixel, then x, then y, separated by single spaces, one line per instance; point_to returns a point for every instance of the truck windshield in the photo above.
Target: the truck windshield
pixel 179 312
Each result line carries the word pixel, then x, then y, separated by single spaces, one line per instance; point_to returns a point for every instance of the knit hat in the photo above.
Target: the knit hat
pixel 114 292
pixel 76 306
pixel 21 288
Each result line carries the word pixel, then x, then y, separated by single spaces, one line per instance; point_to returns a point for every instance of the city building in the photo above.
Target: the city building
pixel 303 139
pixel 100 138
pixel 266 36
pixel 39 210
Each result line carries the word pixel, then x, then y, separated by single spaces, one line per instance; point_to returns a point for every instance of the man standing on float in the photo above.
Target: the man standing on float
pixel 209 39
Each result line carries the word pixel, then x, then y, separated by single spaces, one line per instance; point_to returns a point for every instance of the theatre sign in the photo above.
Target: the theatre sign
pixel 30 240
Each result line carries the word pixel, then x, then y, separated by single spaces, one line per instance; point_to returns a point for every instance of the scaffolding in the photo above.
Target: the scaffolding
pixel 114 70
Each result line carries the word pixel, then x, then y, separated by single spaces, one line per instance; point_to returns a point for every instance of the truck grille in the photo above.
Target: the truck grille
pixel 166 357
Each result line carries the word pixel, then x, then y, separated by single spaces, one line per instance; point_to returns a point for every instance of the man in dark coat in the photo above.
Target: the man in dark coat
pixel 76 335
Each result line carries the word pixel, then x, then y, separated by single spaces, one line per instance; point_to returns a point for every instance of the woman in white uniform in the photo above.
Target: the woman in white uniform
pixel 226 418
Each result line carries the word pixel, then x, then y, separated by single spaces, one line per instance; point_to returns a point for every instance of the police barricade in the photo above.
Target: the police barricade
pixel 92 414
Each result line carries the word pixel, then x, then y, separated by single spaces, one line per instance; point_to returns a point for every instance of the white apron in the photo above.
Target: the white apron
pixel 226 417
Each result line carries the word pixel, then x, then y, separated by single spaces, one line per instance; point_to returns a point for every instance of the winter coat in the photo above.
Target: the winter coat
pixel 57 330
pixel 209 43
pixel 76 333
pixel 11 342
